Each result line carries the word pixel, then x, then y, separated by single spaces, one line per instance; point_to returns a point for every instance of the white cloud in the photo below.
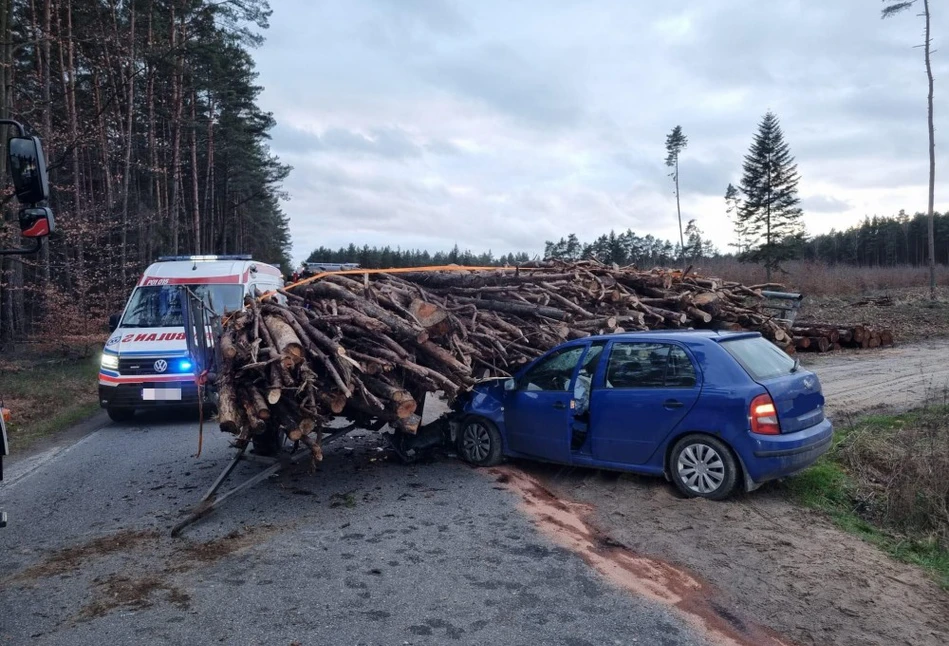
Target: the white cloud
pixel 491 124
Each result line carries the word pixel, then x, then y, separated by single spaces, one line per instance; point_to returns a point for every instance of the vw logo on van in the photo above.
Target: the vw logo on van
pixel 161 365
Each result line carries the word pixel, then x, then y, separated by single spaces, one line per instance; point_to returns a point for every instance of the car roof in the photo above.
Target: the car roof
pixel 689 337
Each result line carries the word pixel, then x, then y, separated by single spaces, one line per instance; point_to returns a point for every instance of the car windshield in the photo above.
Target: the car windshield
pixel 759 357
pixel 160 306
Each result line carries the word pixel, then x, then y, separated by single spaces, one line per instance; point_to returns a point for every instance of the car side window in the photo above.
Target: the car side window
pixel 649 365
pixel 637 365
pixel 554 372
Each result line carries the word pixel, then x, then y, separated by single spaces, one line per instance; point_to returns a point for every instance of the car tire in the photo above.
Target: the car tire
pixel 121 414
pixel 702 466
pixel 479 442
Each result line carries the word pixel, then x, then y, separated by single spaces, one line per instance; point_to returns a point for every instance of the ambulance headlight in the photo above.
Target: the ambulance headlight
pixel 110 361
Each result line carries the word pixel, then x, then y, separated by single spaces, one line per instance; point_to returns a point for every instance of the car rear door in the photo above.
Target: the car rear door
pixel 647 390
pixel 537 414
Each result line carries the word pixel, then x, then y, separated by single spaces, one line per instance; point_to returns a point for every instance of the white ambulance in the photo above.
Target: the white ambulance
pixel 145 362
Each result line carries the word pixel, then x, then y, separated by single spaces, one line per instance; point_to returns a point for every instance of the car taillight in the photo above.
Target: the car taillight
pixel 764 416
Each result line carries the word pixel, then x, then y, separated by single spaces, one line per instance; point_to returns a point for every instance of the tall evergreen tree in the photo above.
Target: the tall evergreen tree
pixel 895 7
pixel 676 141
pixel 769 212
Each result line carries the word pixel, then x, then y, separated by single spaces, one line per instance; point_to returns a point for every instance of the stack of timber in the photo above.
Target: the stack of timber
pixel 369 347
pixel 826 337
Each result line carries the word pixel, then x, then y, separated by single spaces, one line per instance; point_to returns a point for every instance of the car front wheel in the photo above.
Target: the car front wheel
pixel 703 467
pixel 479 442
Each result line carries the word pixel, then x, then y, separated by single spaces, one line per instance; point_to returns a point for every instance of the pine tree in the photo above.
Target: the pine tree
pixel 693 242
pixel 769 212
pixel 573 247
pixel 676 141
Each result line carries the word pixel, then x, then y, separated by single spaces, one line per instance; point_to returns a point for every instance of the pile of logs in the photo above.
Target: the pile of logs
pixel 369 347
pixel 825 337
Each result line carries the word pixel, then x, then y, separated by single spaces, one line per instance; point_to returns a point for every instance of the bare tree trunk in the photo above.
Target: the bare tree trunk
pixel 932 159
pixel 69 277
pixel 154 186
pixel 128 149
pixel 6 306
pixel 103 142
pixel 209 176
pixel 768 224
pixel 47 112
pixel 77 191
pixel 195 210
pixel 178 95
pixel 679 212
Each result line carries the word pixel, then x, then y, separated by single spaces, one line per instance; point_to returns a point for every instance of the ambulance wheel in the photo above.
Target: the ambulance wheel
pixel 121 414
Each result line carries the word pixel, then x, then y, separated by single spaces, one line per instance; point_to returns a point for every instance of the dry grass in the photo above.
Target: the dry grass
pixel 820 279
pixel 46 393
pixel 900 465
pixel 886 481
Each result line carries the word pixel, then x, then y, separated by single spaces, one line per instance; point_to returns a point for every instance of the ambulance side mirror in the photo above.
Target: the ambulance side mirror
pixel 114 322
pixel 28 168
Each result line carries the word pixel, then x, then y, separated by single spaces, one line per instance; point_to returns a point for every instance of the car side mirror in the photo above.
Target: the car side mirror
pixel 36 222
pixel 114 322
pixel 28 168
pixel 510 384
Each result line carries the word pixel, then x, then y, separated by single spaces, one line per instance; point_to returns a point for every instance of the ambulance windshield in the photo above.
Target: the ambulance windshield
pixel 160 306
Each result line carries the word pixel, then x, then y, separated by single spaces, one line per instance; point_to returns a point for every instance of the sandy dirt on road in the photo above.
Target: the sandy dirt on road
pixel 778 565
pixel 784 567
pixel 568 524
pixel 883 380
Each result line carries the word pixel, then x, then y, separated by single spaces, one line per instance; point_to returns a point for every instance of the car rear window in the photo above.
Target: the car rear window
pixel 759 357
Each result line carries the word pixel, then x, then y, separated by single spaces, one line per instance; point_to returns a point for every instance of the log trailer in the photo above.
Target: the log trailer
pixel 31 187
pixel 202 327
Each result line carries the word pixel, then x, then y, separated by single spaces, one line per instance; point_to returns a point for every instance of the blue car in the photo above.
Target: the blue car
pixel 711 411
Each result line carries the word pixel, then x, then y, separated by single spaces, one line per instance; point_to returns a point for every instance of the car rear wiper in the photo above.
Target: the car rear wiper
pixel 797 364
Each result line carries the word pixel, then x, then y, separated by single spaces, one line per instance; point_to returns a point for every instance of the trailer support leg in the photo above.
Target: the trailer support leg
pixel 210 500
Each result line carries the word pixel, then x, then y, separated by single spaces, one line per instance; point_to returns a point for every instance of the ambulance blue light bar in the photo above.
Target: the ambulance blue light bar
pixel 246 256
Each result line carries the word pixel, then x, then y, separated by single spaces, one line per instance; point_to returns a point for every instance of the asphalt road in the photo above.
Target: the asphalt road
pixel 364 551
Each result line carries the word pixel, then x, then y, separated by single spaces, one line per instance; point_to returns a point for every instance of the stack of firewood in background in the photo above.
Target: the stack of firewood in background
pixel 369 347
pixel 825 337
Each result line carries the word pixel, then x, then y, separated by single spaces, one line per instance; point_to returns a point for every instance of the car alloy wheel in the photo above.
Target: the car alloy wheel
pixel 479 442
pixel 475 441
pixel 701 468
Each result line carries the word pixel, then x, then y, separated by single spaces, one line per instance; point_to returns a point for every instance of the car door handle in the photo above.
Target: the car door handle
pixel 672 403
pixel 559 405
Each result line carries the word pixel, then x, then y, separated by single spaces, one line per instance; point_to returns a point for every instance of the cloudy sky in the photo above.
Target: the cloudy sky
pixel 497 125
